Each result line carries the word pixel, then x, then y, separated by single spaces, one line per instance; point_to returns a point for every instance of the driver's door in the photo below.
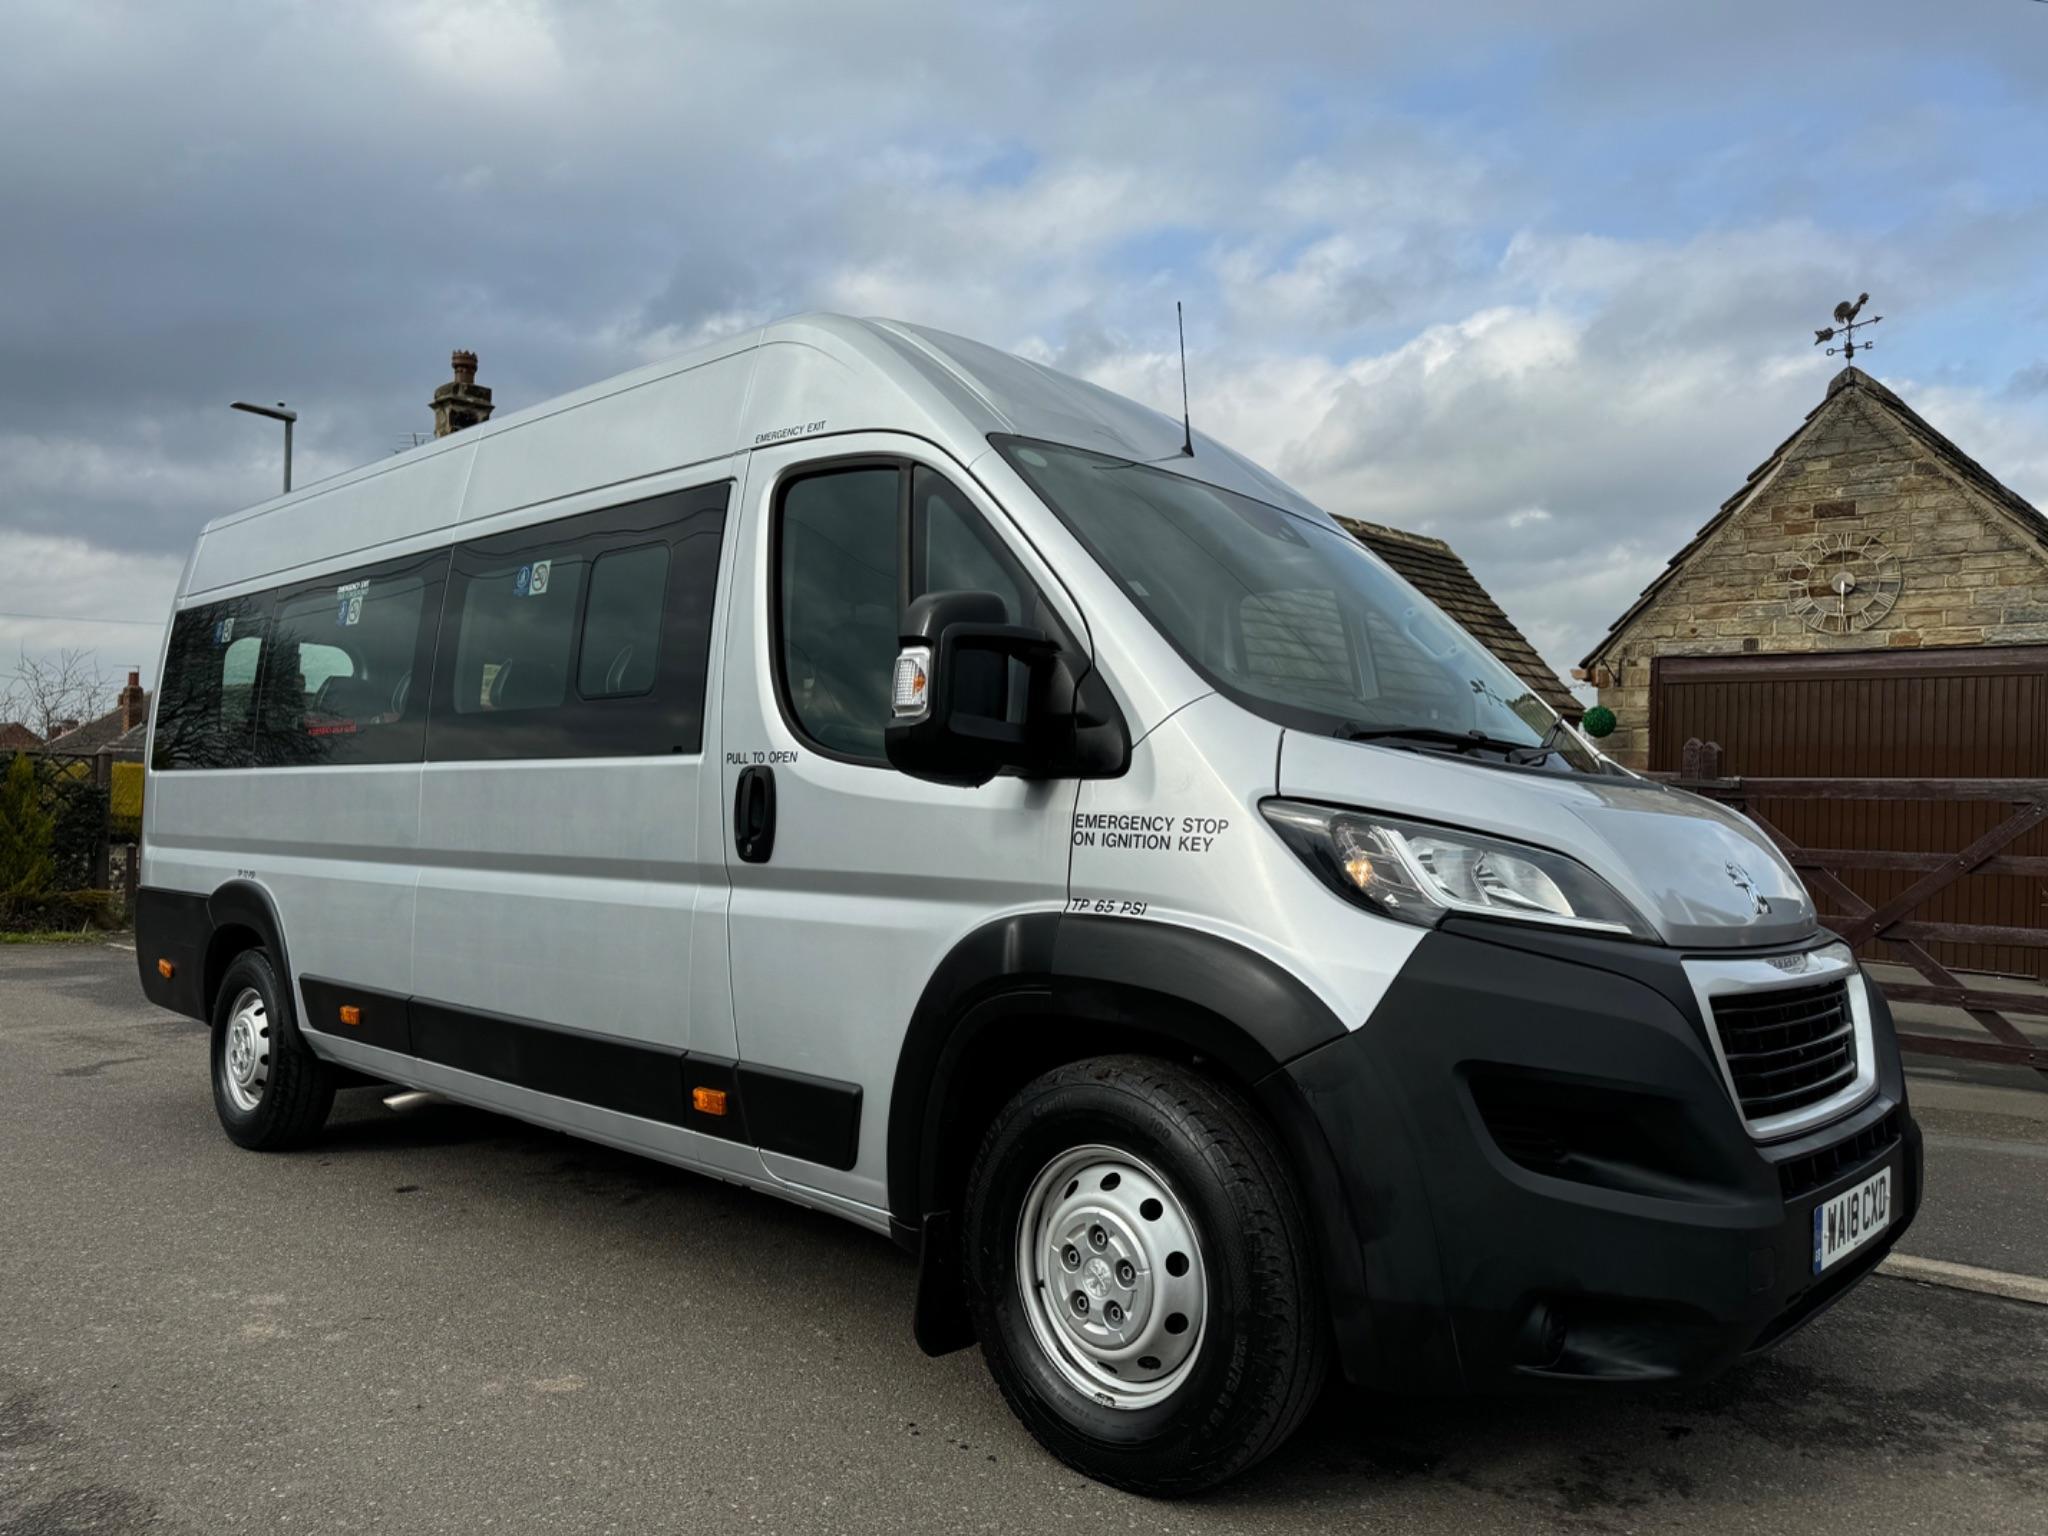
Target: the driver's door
pixel 866 878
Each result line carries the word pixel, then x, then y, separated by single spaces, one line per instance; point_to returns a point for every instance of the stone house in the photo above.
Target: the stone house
pixel 1866 545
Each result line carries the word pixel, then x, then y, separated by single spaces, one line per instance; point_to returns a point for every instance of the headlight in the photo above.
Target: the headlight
pixel 1419 873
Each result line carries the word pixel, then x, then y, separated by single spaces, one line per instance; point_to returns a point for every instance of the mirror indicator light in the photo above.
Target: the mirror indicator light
pixel 909 693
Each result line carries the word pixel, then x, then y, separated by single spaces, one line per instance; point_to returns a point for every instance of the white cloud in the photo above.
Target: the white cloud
pixel 114 603
pixel 1519 293
pixel 1564 450
pixel 491 47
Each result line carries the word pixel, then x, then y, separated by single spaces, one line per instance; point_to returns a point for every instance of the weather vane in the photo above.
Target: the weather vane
pixel 1845 327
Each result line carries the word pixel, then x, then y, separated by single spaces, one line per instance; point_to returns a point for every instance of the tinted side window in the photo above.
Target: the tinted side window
pixel 841 592
pixel 622 628
pixel 853 547
pixel 584 637
pixel 956 551
pixel 345 681
pixel 206 704
pixel 515 628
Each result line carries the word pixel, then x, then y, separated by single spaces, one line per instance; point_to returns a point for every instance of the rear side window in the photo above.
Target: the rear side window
pixel 584 637
pixel 517 628
pixel 349 656
pixel 206 703
pixel 622 623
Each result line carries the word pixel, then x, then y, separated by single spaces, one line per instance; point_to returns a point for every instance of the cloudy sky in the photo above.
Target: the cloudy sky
pixel 1537 278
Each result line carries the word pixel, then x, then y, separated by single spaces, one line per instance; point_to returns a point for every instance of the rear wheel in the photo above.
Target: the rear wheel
pixel 1139 1272
pixel 270 1090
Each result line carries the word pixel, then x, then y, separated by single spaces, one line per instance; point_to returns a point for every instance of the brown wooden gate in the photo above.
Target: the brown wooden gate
pixel 1963 713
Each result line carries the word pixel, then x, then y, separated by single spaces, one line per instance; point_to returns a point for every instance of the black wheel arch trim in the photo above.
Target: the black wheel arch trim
pixel 1211 997
pixel 181 926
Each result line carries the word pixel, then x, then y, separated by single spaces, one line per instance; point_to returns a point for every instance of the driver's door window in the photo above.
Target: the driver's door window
pixel 853 546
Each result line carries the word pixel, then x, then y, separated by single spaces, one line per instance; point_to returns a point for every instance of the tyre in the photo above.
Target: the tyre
pixel 270 1090
pixel 1139 1272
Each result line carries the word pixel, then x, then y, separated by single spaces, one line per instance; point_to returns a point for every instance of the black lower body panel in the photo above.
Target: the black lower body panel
pixel 794 1114
pixel 1553 1183
pixel 173 928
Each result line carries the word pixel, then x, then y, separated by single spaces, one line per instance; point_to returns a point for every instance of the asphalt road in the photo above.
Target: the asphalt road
pixel 444 1321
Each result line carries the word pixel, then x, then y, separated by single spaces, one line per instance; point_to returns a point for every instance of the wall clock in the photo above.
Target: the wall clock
pixel 1844 582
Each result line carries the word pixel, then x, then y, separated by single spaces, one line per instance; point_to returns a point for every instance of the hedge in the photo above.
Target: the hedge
pixel 125 804
pixel 66 824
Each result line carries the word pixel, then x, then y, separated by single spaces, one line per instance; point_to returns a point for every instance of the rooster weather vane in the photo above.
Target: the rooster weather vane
pixel 1845 327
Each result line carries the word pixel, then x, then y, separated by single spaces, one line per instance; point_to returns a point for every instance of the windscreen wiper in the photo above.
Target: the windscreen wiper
pixel 1463 741
pixel 1543 748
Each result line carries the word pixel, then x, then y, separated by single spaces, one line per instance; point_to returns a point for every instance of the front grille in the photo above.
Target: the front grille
pixel 1799 1176
pixel 1787 1048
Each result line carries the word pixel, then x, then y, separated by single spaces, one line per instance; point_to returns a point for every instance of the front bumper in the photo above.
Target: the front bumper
pixel 1551 1182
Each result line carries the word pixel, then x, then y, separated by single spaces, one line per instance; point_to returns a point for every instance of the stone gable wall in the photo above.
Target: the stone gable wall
pixel 1967 577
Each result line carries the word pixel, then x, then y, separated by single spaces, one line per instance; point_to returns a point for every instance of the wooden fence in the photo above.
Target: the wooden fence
pixel 1894 921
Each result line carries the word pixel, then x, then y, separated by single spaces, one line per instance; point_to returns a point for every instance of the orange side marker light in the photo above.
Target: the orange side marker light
pixel 351 1015
pixel 165 969
pixel 708 1101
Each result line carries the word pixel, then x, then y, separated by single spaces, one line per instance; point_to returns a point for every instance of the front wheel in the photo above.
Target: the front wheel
pixel 1139 1273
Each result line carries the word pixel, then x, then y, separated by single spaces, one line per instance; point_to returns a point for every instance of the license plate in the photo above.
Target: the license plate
pixel 1851 1219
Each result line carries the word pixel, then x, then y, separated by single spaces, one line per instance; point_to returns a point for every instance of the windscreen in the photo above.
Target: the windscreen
pixel 1289 616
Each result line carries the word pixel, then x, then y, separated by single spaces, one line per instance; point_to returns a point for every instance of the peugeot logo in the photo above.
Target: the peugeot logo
pixel 1743 882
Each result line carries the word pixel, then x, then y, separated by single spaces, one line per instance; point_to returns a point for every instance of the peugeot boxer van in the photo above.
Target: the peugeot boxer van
pixel 883 771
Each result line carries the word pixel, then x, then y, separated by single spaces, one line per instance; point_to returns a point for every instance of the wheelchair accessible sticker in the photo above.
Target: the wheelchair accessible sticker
pixel 532 580
pixel 348 602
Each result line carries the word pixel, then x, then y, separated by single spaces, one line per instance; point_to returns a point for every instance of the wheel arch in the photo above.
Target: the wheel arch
pixel 241 916
pixel 185 941
pixel 1033 991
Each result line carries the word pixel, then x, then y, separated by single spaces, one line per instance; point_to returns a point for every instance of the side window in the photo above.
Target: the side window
pixel 853 547
pixel 956 549
pixel 207 698
pixel 515 626
pixel 583 637
pixel 345 654
pixel 622 628
pixel 839 574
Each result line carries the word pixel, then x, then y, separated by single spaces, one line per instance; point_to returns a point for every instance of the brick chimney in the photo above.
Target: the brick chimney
pixel 134 703
pixel 462 402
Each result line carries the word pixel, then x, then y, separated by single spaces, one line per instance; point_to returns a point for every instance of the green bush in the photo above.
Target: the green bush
pixel 125 802
pixel 28 835
pixel 52 821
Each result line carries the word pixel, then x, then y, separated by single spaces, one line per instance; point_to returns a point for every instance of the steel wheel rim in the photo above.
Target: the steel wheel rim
pixel 245 1051
pixel 1109 1264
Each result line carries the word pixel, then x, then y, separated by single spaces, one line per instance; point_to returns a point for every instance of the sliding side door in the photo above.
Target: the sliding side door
pixel 570 907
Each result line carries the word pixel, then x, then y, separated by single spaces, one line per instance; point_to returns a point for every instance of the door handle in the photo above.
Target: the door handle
pixel 753 815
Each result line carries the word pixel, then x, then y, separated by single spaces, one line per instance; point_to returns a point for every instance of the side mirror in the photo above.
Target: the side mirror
pixel 950 696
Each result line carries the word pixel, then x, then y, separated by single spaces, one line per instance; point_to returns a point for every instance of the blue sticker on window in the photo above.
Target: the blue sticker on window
pixel 522 581
pixel 224 631
pixel 348 602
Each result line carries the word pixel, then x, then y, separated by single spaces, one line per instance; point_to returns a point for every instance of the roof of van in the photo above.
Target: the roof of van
pixel 858 374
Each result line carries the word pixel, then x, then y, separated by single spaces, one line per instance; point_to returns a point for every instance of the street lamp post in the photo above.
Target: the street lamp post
pixel 276 413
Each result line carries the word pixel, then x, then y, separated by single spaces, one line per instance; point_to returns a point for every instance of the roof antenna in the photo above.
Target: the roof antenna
pixel 1187 442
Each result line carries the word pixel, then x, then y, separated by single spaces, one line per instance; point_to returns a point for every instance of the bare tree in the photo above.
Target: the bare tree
pixel 46 692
